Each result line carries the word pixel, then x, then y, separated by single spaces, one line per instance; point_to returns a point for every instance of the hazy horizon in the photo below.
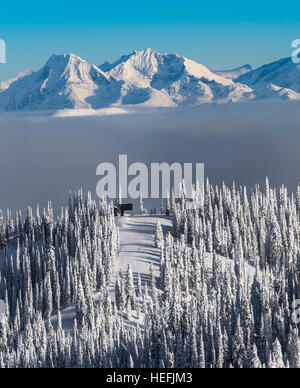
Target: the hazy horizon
pixel 43 158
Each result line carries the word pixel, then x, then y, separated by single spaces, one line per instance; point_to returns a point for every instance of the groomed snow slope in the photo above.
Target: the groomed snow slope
pixel 137 250
pixel 137 244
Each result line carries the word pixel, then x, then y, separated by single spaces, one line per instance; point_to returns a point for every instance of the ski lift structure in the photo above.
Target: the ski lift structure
pixel 122 208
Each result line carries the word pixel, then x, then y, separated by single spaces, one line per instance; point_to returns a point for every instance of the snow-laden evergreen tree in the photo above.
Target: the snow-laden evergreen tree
pixel 159 236
pixel 228 279
pixel 130 290
pixel 141 205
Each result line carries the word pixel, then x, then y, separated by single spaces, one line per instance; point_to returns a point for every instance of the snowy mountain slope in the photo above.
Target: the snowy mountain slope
pixel 6 84
pixel 137 250
pixel 156 79
pixel 143 79
pixel 66 81
pixel 137 244
pixel 234 73
pixel 280 79
pixel 107 66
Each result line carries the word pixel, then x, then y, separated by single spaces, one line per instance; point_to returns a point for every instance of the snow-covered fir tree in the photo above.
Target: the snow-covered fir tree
pixel 228 278
pixel 159 236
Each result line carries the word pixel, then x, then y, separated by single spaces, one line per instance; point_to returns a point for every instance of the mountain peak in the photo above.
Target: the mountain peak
pixel 64 59
pixel 283 74
pixel 65 82
pixel 144 78
pixel 145 55
pixel 147 51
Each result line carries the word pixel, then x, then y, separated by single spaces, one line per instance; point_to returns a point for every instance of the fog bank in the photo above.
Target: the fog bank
pixel 42 159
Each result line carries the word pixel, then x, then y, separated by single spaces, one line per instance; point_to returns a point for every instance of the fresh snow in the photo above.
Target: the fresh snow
pixel 106 66
pixel 6 84
pixel 137 249
pixel 154 79
pixel 144 78
pixel 196 304
pixel 234 73
pixel 280 79
pixel 137 244
pixel 65 82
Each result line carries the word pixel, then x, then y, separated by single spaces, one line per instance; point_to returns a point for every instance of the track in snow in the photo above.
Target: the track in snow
pixel 137 249
pixel 137 245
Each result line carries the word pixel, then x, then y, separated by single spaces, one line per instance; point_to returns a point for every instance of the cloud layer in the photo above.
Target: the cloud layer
pixel 42 159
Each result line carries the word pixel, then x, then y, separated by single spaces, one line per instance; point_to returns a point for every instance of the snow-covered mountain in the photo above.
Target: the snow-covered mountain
pixel 107 66
pixel 154 79
pixel 280 79
pixel 6 84
pixel 143 78
pixel 234 73
pixel 65 82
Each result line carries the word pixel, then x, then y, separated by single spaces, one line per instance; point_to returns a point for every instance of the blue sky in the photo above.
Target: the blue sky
pixel 219 34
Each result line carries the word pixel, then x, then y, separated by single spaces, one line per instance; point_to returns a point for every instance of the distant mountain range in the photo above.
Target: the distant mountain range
pixel 147 79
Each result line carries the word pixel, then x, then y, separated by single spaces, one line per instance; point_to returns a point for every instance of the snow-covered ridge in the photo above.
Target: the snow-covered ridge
pixel 144 78
pixel 154 79
pixel 6 84
pixel 280 79
pixel 234 73
pixel 65 82
pixel 107 66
